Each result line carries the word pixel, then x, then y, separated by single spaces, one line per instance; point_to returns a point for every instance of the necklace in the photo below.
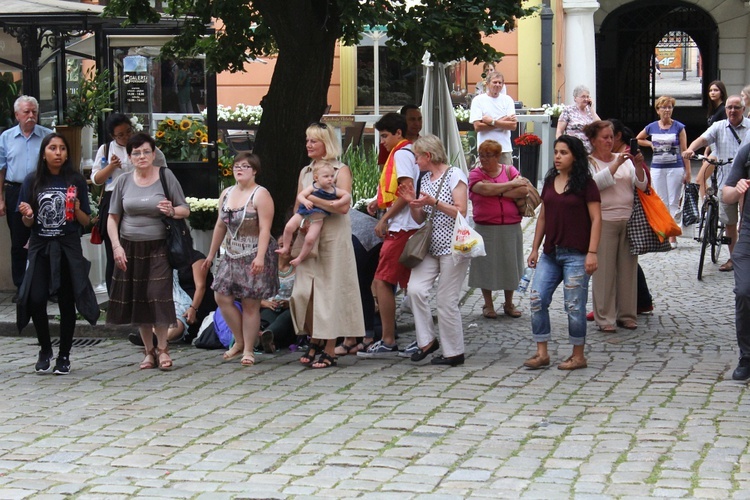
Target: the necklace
pixel 284 274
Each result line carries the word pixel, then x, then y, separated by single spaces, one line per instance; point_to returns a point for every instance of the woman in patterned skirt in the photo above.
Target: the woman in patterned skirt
pixel 141 292
pixel 248 270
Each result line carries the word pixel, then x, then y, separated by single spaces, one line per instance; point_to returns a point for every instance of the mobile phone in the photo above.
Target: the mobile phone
pixel 633 147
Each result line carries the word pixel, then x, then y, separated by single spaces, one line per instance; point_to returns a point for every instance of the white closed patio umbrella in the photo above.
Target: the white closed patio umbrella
pixel 437 112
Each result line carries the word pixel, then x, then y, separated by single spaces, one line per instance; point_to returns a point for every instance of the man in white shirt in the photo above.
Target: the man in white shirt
pixel 494 116
pixel 727 136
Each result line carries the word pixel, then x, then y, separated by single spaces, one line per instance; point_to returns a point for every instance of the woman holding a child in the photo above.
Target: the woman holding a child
pixel 322 302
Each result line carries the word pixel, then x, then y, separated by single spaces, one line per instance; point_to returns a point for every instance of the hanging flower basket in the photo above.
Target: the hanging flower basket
pixel 527 140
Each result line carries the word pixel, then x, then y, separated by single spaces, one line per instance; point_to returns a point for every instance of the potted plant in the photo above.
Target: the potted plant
pixel 462 118
pixel 528 155
pixel 553 111
pixel 243 116
pixel 202 219
pixel 181 140
pixel 84 107
pixel 8 95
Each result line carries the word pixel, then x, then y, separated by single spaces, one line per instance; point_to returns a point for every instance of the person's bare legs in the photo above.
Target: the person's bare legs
pixel 250 327
pixel 702 178
pixel 176 331
pixel 387 308
pixel 147 336
pixel 488 310
pixel 732 234
pixel 289 229
pixel 233 318
pixel 313 232
pixel 162 347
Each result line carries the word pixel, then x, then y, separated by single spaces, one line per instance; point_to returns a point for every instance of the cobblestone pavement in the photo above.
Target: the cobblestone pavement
pixel 655 414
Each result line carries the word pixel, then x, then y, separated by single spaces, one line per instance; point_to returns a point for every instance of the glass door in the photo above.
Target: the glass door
pixel 174 102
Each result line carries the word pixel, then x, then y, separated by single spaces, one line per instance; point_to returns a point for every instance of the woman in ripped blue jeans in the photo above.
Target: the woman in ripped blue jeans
pixel 569 223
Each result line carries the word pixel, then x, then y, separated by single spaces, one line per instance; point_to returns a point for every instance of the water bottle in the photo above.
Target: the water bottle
pixel 523 285
pixel 104 165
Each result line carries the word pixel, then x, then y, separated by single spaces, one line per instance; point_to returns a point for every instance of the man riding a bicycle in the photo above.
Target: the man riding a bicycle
pixel 727 136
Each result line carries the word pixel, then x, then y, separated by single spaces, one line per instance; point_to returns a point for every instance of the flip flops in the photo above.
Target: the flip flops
pixel 325 360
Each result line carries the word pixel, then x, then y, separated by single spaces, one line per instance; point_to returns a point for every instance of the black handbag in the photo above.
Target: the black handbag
pixel 179 241
pixel 690 205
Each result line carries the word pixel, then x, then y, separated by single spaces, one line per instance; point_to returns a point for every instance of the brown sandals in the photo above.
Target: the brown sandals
pixel 510 310
pixel 162 356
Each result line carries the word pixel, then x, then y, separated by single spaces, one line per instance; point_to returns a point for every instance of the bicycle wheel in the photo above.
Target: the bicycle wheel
pixel 712 222
pixel 705 240
pixel 701 223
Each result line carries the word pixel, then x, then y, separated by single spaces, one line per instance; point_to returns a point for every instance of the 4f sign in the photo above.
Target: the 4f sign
pixel 666 61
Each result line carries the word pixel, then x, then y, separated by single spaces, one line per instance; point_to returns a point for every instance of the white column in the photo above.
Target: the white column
pixel 580 53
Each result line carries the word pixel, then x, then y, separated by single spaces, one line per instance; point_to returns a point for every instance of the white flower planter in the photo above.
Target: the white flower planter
pixel 201 240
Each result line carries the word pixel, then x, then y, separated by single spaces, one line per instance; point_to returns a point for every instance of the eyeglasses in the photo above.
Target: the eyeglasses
pixel 242 166
pixel 122 135
pixel 319 125
pixel 485 156
pixel 733 107
pixel 138 154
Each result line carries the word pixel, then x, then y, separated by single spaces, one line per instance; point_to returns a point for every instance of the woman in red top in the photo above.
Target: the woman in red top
pixel 493 188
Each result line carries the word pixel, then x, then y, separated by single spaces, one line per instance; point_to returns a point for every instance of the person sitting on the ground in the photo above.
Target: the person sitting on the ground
pixel 308 214
pixel 276 326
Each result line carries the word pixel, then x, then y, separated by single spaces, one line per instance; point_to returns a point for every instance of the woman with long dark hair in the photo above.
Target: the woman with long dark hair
pixel 54 203
pixel 569 224
pixel 717 98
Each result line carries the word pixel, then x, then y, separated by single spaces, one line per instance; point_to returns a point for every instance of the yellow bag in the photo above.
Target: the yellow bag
pixel 658 215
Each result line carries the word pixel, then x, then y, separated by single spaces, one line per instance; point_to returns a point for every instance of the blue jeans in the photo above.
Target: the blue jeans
pixel 563 265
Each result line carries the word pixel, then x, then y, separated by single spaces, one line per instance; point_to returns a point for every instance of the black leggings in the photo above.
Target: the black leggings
pixel 103 216
pixel 37 304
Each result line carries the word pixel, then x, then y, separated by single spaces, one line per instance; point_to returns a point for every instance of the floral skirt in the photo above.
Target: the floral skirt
pixel 234 278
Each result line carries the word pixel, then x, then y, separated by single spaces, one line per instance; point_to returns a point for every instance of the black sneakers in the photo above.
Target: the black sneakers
pixel 62 366
pixel 43 362
pixel 742 372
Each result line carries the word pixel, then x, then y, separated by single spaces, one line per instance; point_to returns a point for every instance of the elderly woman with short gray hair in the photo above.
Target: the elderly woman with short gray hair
pixel 577 115
pixel 443 193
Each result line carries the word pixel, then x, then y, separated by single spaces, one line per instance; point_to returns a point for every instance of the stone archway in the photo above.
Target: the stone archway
pixel 625 44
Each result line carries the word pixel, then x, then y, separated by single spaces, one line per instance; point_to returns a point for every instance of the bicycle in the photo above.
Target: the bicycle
pixel 711 230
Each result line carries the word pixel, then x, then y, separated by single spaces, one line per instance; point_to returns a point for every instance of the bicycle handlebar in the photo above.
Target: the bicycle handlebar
pixel 713 161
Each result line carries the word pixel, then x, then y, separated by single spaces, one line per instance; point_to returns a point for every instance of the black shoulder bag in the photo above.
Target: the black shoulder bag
pixel 179 241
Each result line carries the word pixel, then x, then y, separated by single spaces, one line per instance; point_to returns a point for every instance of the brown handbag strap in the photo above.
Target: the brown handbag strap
pixel 437 193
